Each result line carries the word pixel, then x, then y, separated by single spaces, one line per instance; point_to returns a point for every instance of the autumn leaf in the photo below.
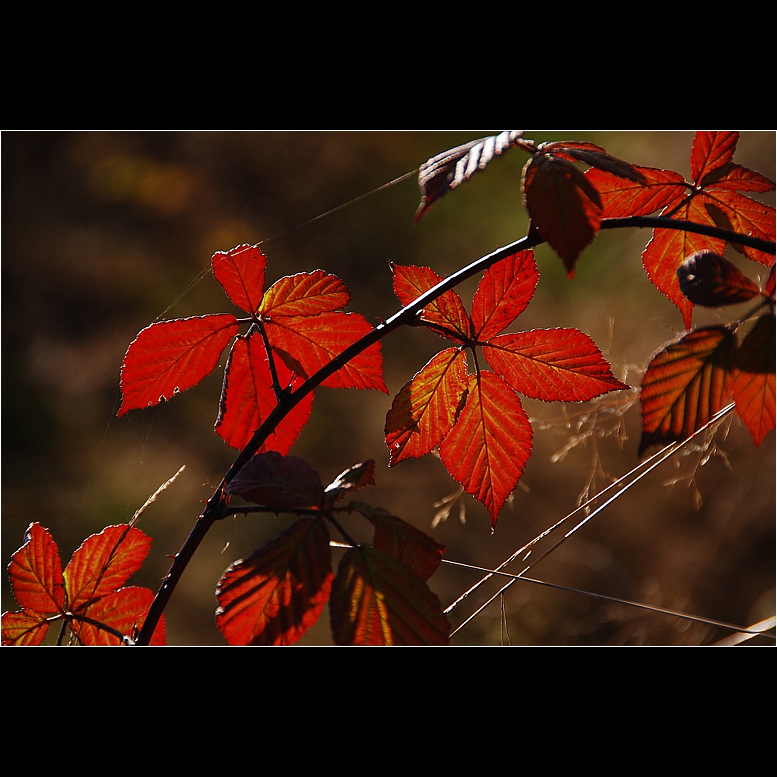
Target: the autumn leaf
pixel 712 280
pixel 275 595
pixel 752 382
pixel 377 600
pixel 477 421
pixel 169 357
pixel 241 273
pixel 248 397
pixel 685 385
pixel 714 198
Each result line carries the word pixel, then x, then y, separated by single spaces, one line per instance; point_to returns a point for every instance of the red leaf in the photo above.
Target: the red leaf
pixel 564 207
pixel 27 628
pixel 275 595
pixel 404 542
pixel 104 563
pixel 709 279
pixel 711 150
pixel 503 293
pixel 753 381
pixel 488 447
pixel 591 154
pixel 446 311
pixel 621 197
pixel 684 385
pixel 308 343
pixel 125 611
pixel 305 294
pixel 248 398
pixel 168 357
pixel 551 364
pixel 377 600
pixel 279 482
pixel 424 410
pixel 36 572
pixel 240 272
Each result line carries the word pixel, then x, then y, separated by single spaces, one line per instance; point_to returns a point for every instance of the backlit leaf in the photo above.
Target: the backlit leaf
pixel 351 479
pixel 424 410
pixel 305 294
pixel 621 197
pixel 103 563
pixel 404 542
pixel 592 154
pixel 444 172
pixel 488 447
pixel 711 150
pixel 279 482
pixel 125 611
pixel 308 343
pixel 712 280
pixel 503 293
pixel 551 364
pixel 377 600
pixel 36 572
pixel 753 380
pixel 241 273
pixel 446 311
pixel 25 628
pixel 563 205
pixel 248 398
pixel 275 595
pixel 685 384
pixel 168 357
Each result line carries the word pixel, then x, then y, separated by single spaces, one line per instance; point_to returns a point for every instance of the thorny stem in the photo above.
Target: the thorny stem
pixel 407 316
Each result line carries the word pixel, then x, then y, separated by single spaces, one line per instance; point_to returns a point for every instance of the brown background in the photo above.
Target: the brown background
pixel 105 232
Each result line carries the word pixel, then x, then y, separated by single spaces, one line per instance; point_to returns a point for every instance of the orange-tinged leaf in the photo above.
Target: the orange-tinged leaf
pixel 488 447
pixel 279 482
pixel 709 279
pixel 125 611
pixel 241 273
pixel 667 250
pixel 446 311
pixel 503 293
pixel 424 410
pixel 551 364
pixel 36 572
pixel 563 205
pixel 305 294
pixel 404 542
pixel 377 601
pixel 711 150
pixel 621 197
pixel 103 563
pixel 26 628
pixel 168 357
pixel 753 381
pixel 308 343
pixel 275 595
pixel 685 384
pixel 248 398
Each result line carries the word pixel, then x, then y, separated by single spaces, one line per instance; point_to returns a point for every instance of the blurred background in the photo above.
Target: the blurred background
pixel 105 232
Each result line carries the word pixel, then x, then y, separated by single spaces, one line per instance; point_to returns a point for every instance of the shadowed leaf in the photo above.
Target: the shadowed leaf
pixel 275 595
pixel 712 280
pixel 377 600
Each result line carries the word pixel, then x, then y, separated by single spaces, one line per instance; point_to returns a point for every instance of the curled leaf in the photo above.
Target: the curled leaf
pixel 709 279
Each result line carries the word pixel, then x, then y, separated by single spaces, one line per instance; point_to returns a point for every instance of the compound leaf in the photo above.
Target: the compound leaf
pixel 275 595
pixel 168 357
pixel 377 600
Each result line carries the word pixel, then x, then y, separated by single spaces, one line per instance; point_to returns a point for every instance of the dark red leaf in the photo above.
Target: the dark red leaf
pixel 594 155
pixel 753 379
pixel 685 385
pixel 168 357
pixel 444 172
pixel 711 151
pixel 248 398
pixel 278 482
pixel 709 279
pixel 378 600
pixel 241 272
pixel 351 479
pixel 275 595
